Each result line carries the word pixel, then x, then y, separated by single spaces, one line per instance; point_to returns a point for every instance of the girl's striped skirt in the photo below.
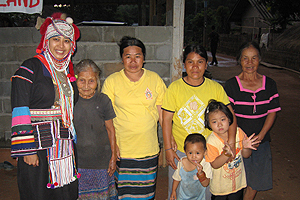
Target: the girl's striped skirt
pixel 136 178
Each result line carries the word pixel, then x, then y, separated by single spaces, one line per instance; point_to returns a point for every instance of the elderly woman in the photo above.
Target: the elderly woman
pixel 96 146
pixel 42 118
pixel 184 105
pixel 255 101
pixel 136 94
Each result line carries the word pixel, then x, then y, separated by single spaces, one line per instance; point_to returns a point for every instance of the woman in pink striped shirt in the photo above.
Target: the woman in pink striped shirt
pixel 255 101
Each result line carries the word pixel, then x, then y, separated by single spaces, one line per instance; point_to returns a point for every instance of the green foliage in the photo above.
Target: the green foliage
pixel 127 13
pixel 284 12
pixel 196 25
pixel 17 19
pixel 95 12
pixel 217 14
pixel 221 19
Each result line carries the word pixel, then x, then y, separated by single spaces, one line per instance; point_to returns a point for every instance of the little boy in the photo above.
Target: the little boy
pixel 192 171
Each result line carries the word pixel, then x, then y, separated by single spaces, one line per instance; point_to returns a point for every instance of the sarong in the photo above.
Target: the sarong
pixel 96 184
pixel 136 178
pixel 258 168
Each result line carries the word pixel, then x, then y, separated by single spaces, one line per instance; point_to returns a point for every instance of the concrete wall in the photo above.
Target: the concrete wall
pixel 96 43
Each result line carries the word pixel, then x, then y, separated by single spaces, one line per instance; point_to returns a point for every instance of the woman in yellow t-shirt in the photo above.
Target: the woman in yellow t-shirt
pixel 136 95
pixel 184 105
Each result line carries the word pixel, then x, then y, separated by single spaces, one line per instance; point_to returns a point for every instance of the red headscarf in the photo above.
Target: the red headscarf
pixel 58 25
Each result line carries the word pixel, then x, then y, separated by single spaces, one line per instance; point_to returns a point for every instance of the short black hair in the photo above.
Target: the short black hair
pixel 127 41
pixel 195 138
pixel 246 45
pixel 213 106
pixel 196 49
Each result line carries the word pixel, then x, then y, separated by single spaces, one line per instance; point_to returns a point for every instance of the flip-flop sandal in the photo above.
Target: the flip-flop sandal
pixel 8 165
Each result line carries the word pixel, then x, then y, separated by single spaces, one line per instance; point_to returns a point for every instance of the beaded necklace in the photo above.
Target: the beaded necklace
pixel 59 65
pixel 64 89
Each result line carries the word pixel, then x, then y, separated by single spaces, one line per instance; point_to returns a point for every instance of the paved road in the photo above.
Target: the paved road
pixel 285 132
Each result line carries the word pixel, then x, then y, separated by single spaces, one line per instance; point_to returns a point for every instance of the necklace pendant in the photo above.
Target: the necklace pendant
pixel 63 83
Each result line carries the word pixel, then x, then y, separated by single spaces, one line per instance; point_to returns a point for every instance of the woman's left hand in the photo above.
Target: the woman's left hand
pixel 251 142
pixel 112 166
pixel 260 137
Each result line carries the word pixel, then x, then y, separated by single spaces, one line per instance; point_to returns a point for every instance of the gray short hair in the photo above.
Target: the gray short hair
pixel 84 65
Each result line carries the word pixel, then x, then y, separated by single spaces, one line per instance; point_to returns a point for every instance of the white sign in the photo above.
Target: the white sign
pixel 22 6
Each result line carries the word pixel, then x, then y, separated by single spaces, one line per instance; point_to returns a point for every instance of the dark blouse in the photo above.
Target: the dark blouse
pixel 93 146
pixel 32 88
pixel 252 107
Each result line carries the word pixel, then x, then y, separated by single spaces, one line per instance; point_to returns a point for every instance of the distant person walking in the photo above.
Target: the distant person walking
pixel 214 41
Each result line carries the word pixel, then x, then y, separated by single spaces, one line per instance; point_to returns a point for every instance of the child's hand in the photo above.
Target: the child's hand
pixel 227 150
pixel 173 195
pixel 250 142
pixel 199 167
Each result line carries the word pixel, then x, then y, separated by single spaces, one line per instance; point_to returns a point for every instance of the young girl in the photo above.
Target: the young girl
pixel 190 170
pixel 228 177
pixel 96 140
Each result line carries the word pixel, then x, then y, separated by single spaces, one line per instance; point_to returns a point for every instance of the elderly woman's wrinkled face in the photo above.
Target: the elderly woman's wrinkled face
pixel 59 46
pixel 87 83
pixel 250 60
pixel 133 59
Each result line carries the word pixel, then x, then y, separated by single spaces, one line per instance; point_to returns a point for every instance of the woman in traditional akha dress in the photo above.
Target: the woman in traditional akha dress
pixel 42 100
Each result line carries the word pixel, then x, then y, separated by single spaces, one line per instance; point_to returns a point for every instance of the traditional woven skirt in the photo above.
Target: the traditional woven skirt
pixel 136 178
pixel 96 184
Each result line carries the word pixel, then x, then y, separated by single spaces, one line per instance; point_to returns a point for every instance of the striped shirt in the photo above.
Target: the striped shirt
pixel 252 107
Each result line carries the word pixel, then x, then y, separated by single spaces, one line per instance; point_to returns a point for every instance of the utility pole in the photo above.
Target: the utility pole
pixel 205 23
pixel 178 33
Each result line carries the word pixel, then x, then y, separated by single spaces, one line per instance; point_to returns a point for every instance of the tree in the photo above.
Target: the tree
pixel 127 13
pixel 217 13
pixel 221 19
pixel 95 12
pixel 283 11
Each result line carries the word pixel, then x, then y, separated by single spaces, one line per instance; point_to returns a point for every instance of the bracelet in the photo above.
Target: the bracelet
pixel 168 149
pixel 202 177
